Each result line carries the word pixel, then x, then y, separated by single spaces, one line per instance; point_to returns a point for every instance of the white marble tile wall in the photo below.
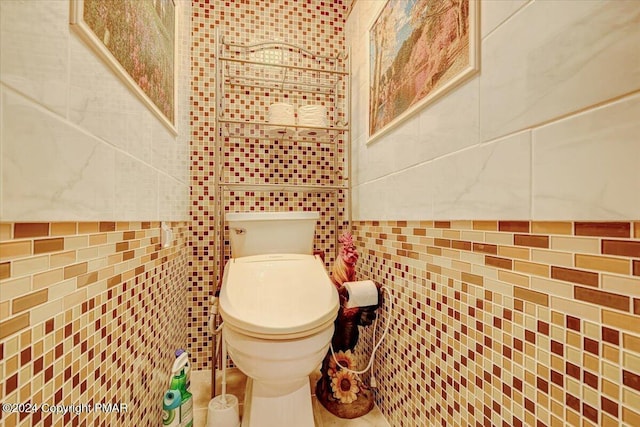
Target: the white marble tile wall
pixel 486 181
pixel 545 130
pixel 49 165
pixel 76 144
pixel 36 63
pixel 555 58
pixel 598 155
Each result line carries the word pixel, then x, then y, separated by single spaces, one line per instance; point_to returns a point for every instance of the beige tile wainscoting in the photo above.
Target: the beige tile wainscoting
pixel 507 323
pixel 90 312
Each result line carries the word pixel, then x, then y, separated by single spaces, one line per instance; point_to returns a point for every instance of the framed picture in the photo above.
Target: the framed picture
pixel 418 51
pixel 137 39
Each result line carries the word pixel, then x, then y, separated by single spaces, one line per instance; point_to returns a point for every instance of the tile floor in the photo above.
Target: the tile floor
pixel 201 389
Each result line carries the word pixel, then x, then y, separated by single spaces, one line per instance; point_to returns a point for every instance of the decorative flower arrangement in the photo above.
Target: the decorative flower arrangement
pixel 345 386
pixel 346 359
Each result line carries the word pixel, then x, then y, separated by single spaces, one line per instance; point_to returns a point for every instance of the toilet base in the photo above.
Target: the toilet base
pixel 263 408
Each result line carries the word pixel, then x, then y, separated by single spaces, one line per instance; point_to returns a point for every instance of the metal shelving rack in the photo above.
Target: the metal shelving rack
pixel 269 71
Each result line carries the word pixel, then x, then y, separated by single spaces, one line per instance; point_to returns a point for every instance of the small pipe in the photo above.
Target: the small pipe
pixel 224 370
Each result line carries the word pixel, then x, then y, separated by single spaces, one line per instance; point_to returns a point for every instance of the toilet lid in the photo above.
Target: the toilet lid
pixel 277 294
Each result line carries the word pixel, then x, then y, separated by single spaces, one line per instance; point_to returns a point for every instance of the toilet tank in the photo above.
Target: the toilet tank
pixel 257 233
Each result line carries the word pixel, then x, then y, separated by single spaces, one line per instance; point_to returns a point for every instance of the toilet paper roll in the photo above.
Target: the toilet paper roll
pixel 362 293
pixel 281 113
pixel 313 116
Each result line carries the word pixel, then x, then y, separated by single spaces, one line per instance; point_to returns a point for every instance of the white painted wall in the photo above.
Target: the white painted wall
pixel 75 143
pixel 549 128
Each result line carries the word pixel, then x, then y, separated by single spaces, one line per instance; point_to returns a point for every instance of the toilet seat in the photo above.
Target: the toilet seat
pixel 277 296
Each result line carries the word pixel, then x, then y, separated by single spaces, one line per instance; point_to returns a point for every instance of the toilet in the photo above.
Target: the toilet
pixel 278 306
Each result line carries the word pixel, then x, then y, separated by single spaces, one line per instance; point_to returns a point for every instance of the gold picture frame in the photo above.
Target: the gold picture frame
pixel 419 50
pixel 137 40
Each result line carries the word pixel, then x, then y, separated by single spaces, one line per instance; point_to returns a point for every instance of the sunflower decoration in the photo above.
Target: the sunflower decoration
pixel 346 359
pixel 344 386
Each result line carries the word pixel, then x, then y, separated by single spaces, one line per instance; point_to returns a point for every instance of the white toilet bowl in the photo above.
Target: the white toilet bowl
pixel 278 312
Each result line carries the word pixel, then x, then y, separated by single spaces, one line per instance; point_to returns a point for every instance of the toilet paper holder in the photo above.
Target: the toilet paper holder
pixel 362 293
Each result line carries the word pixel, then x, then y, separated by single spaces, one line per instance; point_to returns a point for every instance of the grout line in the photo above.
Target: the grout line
pixel 506 19
pixel 531 175
pixel 568 115
pixel 33 103
pixel 531 128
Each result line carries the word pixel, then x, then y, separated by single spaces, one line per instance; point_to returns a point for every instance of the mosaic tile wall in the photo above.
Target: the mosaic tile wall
pixel 313 25
pixel 507 323
pixel 323 203
pixel 90 312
